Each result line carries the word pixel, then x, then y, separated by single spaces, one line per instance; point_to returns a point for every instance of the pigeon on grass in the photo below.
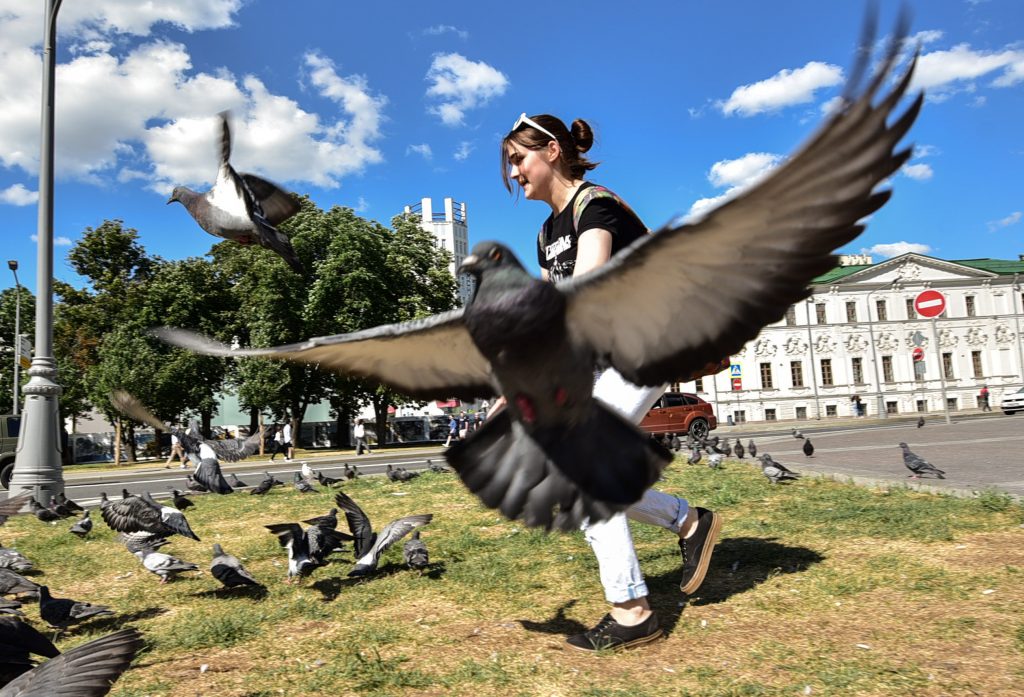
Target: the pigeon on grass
pixel 181 502
pixel 752 448
pixel 163 565
pixel 14 560
pixel 262 488
pixel 415 554
pixel 328 520
pixel 554 456
pixel 326 481
pixel 738 449
pixel 12 583
pixel 83 527
pixel 140 541
pixel 61 613
pixel 369 545
pixel 918 466
pixel 292 538
pixel 229 571
pixel 10 607
pixel 88 670
pixel 236 482
pixel 242 207
pixel 42 513
pixel 775 471
pixel 301 485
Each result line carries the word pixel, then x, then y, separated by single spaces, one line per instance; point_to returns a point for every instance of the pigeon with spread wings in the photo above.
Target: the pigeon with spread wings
pixel 655 311
pixel 242 207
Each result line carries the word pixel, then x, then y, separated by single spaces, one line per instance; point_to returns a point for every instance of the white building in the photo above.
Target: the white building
pixel 450 229
pixel 857 332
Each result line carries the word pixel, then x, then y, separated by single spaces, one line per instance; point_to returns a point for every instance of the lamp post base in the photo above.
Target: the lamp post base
pixel 37 465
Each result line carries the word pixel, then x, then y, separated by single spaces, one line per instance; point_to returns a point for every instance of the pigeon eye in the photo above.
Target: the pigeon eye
pixel 495 254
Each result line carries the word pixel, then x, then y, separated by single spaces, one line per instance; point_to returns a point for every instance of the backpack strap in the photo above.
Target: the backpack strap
pixel 589 195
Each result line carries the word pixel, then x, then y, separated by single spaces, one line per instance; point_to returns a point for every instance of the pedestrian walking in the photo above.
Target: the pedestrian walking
pixel 983 399
pixel 453 430
pixel 359 431
pixel 176 452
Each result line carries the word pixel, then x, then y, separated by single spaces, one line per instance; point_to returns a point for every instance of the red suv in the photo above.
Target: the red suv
pixel 679 413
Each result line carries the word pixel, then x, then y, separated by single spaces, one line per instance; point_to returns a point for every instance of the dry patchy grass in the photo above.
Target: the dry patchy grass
pixel 818 585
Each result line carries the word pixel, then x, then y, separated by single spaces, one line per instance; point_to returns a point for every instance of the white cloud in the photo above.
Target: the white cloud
pixel 439 29
pixel 926 36
pixel 894 249
pixel 737 175
pixel 918 170
pixel 953 70
pixel 463 151
pixel 421 149
pixel 143 112
pixel 18 195
pixel 1011 219
pixel 58 241
pixel 922 150
pixel 785 88
pixel 460 85
pixel 362 205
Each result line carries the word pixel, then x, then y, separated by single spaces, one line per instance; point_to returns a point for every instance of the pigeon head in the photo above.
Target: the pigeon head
pixel 903 445
pixel 217 550
pixel 486 256
pixel 180 193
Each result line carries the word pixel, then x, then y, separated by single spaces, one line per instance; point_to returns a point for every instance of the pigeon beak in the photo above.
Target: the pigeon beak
pixel 469 263
pixel 171 200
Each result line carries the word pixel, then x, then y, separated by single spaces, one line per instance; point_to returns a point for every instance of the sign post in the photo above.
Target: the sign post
pixel 930 304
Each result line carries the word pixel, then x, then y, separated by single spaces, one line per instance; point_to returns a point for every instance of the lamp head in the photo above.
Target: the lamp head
pixel 12 264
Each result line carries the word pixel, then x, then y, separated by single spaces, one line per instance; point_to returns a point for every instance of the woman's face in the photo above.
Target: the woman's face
pixel 531 169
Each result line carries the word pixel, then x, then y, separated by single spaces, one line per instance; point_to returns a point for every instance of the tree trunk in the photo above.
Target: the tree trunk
pixel 207 418
pixel 117 441
pixel 130 442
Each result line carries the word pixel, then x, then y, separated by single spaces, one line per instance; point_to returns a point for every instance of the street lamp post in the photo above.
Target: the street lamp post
pixel 810 347
pixel 37 466
pixel 13 266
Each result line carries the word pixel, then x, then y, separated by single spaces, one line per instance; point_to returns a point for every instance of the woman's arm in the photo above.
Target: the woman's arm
pixel 593 248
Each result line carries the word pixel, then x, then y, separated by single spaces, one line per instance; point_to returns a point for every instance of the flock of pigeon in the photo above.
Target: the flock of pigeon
pixel 143 526
pixel 717 450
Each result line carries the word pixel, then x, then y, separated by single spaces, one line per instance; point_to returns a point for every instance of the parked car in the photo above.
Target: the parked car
pixel 1013 401
pixel 680 413
pixel 10 425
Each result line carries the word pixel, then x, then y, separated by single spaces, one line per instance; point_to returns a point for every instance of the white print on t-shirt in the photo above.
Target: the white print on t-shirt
pixel 557 247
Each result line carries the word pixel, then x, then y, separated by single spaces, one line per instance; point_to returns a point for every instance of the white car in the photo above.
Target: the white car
pixel 1013 401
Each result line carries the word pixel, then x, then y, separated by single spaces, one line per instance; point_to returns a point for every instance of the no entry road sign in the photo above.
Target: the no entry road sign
pixel 918 353
pixel 929 303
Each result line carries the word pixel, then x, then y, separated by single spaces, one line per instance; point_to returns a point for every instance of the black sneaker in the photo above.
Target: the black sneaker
pixel 609 635
pixel 697 550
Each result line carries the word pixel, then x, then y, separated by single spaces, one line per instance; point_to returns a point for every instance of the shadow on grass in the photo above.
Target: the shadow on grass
pixel 331 587
pixel 254 592
pixel 119 620
pixel 557 623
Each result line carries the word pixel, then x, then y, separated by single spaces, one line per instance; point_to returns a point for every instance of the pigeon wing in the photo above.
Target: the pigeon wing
pixel 277 204
pixel 88 669
pixel 396 530
pixel 13 505
pixel 426 358
pixel 689 294
pixel 358 523
pixel 229 193
pixel 235 449
pixel 132 515
pixel 208 474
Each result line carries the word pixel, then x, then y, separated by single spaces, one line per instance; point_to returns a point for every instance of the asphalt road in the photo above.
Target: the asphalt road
pixel 976 454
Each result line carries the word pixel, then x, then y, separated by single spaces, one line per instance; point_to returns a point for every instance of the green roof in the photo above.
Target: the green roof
pixel 1003 267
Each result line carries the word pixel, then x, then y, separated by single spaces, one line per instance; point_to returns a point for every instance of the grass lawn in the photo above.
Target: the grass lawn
pixel 817 588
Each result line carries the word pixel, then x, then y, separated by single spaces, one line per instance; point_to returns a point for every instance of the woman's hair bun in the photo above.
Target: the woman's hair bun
pixel 582 135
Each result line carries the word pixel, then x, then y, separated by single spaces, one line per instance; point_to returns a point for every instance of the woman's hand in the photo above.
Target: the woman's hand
pixel 497 406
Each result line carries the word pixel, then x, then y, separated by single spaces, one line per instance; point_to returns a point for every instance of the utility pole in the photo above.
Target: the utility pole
pixel 37 466
pixel 13 266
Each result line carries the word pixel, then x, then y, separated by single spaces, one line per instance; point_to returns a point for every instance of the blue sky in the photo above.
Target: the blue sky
pixel 375 105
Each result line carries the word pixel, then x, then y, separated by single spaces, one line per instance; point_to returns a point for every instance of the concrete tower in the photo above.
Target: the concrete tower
pixel 451 232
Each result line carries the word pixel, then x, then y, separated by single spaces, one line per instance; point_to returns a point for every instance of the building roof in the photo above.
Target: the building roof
pixel 1003 267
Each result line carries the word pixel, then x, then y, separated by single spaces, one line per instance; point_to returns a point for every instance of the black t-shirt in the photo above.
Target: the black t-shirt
pixel 557 244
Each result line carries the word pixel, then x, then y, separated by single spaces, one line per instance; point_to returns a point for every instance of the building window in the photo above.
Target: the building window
pixel 969 302
pixel 976 364
pixel 887 369
pixel 947 365
pixel 698 384
pixel 766 376
pixel 801 413
pixel 826 371
pixel 819 310
pixel 796 370
pixel 675 387
pixel 890 408
pixel 851 311
pixel 830 410
pixel 769 415
pixel 951 403
pixel 922 406
pixel 911 312
pixel 880 309
pixel 857 368
pixel 791 316
pixel 739 416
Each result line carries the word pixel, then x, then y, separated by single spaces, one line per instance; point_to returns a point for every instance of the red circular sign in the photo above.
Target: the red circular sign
pixel 918 353
pixel 930 303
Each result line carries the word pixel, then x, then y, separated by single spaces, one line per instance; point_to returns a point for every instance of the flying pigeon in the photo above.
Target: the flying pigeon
pixel 83 527
pixel 19 641
pixel 776 472
pixel 752 448
pixel 143 514
pixel 414 552
pixel 808 448
pixel 291 537
pixel 301 485
pixel 181 502
pixel 739 449
pixel 920 421
pixel 13 505
pixel 229 571
pixel 918 465
pixel 242 207
pixel 163 565
pixel 63 612
pixel 237 483
pixel 139 541
pixel 554 456
pixel 323 540
pixel 87 670
pixel 369 545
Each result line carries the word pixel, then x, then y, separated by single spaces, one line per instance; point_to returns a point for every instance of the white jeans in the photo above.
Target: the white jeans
pixel 611 539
